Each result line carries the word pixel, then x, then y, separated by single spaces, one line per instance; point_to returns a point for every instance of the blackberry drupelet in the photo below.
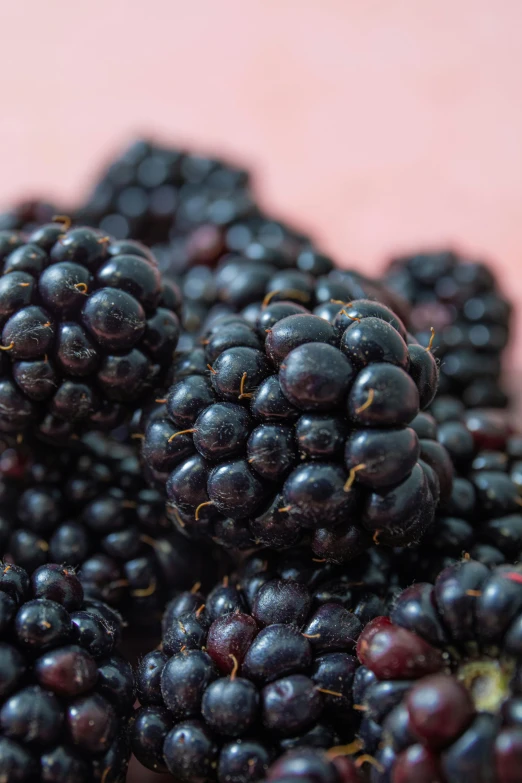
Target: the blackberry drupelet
pixel 460 298
pixel 440 679
pixel 298 432
pixel 87 329
pixel 92 509
pixel 65 695
pixel 482 516
pixel 244 674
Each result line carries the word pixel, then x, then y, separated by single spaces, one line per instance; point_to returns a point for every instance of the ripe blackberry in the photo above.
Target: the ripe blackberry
pixel 482 516
pixel 27 215
pixel 310 764
pixel 298 432
pixel 441 679
pixel 160 195
pixel 85 329
pixel 461 299
pixel 66 696
pixel 92 509
pixel 242 676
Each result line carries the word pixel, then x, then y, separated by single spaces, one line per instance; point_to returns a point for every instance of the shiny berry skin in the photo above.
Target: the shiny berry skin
pixel 234 489
pixel 388 455
pixel 271 451
pixel 187 399
pixel 374 340
pixel 269 403
pixel 221 430
pixel 232 366
pixel 316 377
pixel 296 330
pixel 231 634
pixel 315 494
pixel 394 401
pixel 29 332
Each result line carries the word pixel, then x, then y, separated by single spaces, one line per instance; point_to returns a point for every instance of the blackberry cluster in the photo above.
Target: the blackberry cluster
pixel 243 674
pixel 483 515
pixel 297 429
pixel 461 300
pixel 65 695
pixel 159 194
pixel 88 329
pixel 309 765
pixel 441 679
pixel 94 511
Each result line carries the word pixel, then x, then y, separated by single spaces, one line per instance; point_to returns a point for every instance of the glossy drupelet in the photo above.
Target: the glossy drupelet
pixel 88 329
pixel 461 299
pixel 482 516
pixel 296 429
pixel 255 668
pixel 440 681
pixel 66 696
pixel 90 507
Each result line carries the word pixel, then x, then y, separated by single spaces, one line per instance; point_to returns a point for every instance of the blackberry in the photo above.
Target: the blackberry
pixel 66 696
pixel 449 659
pixel 482 515
pixel 85 330
pixel 310 764
pixel 91 507
pixel 300 433
pixel 244 674
pixel 27 215
pixel 461 299
pixel 166 196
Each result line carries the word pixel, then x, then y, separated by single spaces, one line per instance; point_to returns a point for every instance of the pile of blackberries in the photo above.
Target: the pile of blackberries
pixel 260 519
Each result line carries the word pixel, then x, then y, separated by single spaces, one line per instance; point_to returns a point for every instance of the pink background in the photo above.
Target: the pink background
pixel 378 125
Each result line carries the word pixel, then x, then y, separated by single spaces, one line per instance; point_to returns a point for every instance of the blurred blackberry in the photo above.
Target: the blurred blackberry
pixel 242 677
pixel 93 510
pixel 294 272
pixel 441 679
pixel 461 300
pixel 66 696
pixel 88 329
pixel 310 764
pixel 158 195
pixel 296 429
pixel 482 516
pixel 27 215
